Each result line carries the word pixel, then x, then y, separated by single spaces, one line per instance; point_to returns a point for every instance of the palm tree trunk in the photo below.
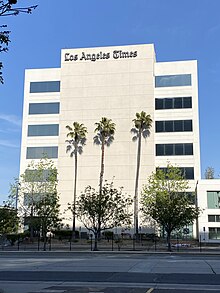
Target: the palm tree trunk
pixel 101 177
pixel 74 199
pixel 136 184
pixel 102 167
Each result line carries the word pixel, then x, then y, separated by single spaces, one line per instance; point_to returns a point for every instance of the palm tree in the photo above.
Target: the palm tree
pixel 77 133
pixel 142 125
pixel 105 130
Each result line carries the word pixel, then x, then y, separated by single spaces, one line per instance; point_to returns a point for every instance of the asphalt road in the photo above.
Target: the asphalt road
pixel 108 272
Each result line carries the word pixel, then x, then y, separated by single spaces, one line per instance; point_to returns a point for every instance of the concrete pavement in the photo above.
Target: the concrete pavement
pixel 28 272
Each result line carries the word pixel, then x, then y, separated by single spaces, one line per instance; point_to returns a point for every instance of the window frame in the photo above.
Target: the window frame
pixel 186 103
pixel 43 130
pixel 174 80
pixel 46 108
pixel 37 87
pixel 174 126
pixel 40 152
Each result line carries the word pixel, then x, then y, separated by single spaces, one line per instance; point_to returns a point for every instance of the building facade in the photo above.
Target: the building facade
pixel 208 194
pixel 112 82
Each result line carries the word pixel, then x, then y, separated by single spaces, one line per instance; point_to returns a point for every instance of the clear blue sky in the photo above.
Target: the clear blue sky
pixel 180 30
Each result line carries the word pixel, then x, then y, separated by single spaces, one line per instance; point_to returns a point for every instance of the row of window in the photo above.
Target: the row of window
pixel 167 103
pixel 173 103
pixel 43 176
pixel 160 81
pixel 177 149
pixel 174 126
pixel 187 172
pixel 45 87
pixel 173 80
pixel 28 199
pixel 44 108
pixel 161 126
pixel 214 218
pixel 40 152
pixel 52 153
pixel 43 130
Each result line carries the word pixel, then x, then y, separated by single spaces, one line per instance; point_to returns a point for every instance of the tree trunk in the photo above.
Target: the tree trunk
pixel 31 225
pixel 96 241
pixel 45 239
pixel 168 241
pixel 102 166
pixel 136 185
pixel 74 199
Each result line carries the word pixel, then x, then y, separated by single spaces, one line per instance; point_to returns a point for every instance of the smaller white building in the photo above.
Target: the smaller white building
pixel 208 197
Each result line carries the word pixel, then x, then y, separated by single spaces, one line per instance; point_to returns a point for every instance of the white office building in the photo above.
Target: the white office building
pixel 113 82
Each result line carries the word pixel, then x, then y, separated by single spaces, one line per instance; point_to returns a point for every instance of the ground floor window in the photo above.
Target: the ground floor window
pixel 214 233
pixel 214 218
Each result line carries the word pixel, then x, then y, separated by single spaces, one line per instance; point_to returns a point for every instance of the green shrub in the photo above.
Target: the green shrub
pixel 64 234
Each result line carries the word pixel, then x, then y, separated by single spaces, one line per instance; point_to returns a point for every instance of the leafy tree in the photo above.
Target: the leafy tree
pixel 9 8
pixel 47 212
pixel 12 199
pixel 142 125
pixel 8 220
pixel 209 173
pixel 105 130
pixel 77 134
pixel 104 210
pixel 164 199
pixel 38 199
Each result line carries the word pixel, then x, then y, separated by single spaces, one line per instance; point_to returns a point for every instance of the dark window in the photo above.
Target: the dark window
pixel 173 125
pixel 40 152
pixel 159 126
pixel 160 150
pixel 187 102
pixel 179 149
pixel 44 108
pixel 188 149
pixel 173 80
pixel 43 130
pixel 178 103
pixel 188 172
pixel 169 149
pixel 44 86
pixel 159 104
pixel 168 103
pixel 178 125
pixel 173 103
pixel 214 233
pixel 168 126
pixel 211 218
pixel 187 125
